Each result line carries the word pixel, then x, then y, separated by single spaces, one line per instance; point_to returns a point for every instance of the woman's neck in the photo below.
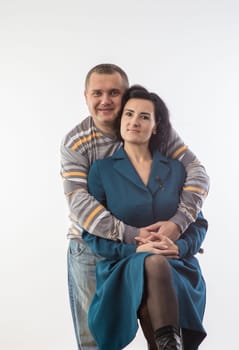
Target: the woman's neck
pixel 137 153
pixel 141 159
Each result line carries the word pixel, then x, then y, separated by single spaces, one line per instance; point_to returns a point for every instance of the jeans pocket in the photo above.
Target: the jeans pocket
pixel 76 247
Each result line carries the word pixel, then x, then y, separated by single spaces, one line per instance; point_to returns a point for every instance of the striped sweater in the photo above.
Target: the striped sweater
pixel 82 146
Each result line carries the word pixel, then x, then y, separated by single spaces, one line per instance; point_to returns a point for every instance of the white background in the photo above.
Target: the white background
pixel 187 51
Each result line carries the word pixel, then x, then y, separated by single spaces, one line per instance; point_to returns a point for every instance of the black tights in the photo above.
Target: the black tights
pixel 159 307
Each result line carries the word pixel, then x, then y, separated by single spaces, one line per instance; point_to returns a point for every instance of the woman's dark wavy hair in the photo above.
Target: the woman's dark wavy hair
pixel 160 139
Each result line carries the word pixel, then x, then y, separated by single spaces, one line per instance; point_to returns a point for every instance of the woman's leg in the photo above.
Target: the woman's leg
pixel 161 299
pixel 161 302
pixel 146 326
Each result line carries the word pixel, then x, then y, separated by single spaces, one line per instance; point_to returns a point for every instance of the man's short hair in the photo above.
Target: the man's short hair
pixel 107 68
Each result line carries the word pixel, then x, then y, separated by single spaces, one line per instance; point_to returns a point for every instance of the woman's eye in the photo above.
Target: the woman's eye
pixel 128 114
pixel 145 117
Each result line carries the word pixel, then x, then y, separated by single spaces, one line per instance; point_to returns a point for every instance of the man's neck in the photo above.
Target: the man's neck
pixel 106 128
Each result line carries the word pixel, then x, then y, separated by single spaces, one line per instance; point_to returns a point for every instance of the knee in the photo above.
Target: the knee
pixel 157 267
pixel 157 261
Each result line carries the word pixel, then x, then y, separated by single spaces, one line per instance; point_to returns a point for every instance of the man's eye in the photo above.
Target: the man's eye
pixel 115 93
pixel 96 93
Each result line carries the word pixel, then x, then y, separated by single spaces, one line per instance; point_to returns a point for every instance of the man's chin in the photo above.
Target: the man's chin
pixel 110 118
pixel 107 114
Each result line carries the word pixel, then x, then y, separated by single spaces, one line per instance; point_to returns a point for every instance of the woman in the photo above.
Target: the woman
pixel 160 279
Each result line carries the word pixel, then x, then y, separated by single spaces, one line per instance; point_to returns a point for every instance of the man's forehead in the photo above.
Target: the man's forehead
pixel 105 81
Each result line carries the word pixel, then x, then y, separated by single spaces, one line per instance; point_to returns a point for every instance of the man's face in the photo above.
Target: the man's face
pixel 103 97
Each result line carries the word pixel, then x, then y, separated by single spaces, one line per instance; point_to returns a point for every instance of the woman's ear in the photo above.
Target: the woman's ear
pixel 155 128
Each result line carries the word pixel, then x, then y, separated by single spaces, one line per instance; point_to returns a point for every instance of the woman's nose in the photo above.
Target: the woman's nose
pixel 135 121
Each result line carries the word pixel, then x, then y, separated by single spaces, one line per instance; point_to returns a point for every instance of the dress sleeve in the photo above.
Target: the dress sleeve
pixel 107 248
pixel 191 240
pixel 86 211
pixel 196 185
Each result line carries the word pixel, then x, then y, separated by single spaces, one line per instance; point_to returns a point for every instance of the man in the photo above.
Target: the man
pixel 92 139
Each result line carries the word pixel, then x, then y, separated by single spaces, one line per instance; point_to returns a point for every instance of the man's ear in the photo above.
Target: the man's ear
pixel 86 97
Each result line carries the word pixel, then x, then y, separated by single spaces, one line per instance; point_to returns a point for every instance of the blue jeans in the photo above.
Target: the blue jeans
pixel 81 283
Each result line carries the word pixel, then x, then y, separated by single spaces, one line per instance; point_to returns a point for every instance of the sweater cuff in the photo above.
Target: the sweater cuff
pixel 182 220
pixel 129 234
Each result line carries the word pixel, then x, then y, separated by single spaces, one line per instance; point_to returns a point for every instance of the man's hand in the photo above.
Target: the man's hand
pixel 165 228
pixel 145 233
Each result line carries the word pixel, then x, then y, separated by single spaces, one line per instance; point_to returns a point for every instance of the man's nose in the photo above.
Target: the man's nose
pixel 105 99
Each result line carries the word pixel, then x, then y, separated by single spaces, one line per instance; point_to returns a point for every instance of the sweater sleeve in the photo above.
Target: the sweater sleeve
pixel 196 185
pixel 86 211
pixel 191 240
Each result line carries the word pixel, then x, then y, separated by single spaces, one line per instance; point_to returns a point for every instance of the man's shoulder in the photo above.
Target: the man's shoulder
pixel 82 128
pixel 82 133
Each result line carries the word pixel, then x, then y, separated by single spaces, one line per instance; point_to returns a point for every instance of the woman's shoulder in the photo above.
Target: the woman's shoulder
pixel 176 163
pixel 173 163
pixel 104 164
pixel 119 154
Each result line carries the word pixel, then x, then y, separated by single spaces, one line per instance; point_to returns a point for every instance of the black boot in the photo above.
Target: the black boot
pixel 168 338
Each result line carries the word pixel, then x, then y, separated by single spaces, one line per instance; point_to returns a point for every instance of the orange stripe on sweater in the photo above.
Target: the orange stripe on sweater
pixel 194 189
pixel 85 139
pixel 178 151
pixel 92 216
pixel 74 173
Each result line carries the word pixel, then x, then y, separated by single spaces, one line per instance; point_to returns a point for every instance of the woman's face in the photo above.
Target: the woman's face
pixel 138 121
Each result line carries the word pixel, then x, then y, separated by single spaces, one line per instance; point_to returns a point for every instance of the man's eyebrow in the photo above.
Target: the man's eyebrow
pixel 110 90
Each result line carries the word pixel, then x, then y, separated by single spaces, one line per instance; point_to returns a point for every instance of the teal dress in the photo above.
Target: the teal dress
pixel 120 274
